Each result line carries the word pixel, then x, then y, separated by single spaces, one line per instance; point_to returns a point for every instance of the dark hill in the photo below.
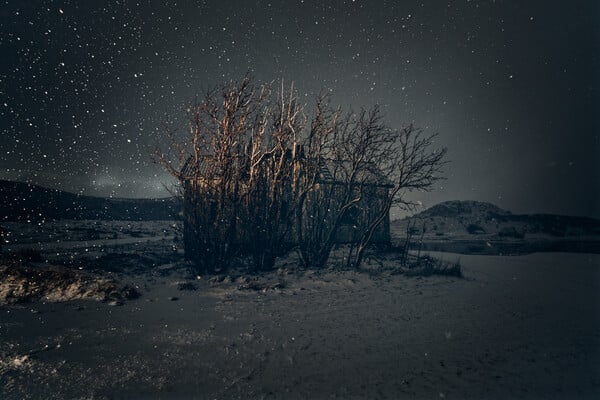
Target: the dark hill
pixel 23 201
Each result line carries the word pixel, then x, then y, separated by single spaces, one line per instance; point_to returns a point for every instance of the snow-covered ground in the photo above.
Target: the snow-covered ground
pixel 53 232
pixel 514 327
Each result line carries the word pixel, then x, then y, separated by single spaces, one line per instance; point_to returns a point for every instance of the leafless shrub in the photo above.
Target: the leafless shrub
pixel 427 266
pixel 251 169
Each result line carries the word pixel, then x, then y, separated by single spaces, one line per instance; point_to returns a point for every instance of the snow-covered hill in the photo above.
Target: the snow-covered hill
pixel 479 220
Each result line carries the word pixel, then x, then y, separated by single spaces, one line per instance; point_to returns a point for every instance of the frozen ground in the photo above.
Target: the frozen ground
pixel 48 234
pixel 516 327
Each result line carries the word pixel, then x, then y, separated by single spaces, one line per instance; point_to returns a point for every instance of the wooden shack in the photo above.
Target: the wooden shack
pixel 200 199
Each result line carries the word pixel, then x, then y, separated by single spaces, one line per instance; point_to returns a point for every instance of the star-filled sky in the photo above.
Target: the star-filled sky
pixel 512 87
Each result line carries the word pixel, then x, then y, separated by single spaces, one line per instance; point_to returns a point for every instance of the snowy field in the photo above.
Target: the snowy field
pixel 524 327
pixel 53 233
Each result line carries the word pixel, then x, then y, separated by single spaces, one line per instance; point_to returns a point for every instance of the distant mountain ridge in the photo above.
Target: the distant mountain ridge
pixel 21 201
pixel 472 219
pixel 456 207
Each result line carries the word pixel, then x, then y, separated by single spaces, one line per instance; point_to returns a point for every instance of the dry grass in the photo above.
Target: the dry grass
pixel 19 283
pixel 427 266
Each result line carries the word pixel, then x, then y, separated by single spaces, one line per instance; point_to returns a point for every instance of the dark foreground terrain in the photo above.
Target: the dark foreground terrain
pixel 524 327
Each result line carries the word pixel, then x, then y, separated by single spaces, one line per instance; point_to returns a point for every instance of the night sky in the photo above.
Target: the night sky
pixel 512 87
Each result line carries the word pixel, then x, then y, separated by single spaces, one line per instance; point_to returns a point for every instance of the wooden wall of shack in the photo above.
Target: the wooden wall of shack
pixel 366 210
pixel 356 220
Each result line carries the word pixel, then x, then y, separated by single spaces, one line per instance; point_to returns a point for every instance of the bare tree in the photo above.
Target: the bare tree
pixel 366 163
pixel 208 165
pixel 407 159
pixel 269 206
pixel 235 172
pixel 260 176
pixel 313 198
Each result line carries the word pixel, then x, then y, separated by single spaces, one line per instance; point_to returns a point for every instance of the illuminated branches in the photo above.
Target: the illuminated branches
pixel 261 177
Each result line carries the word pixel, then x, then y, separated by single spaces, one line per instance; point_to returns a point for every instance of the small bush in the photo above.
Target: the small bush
pixel 186 286
pixel 474 229
pixel 427 266
pixel 511 232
